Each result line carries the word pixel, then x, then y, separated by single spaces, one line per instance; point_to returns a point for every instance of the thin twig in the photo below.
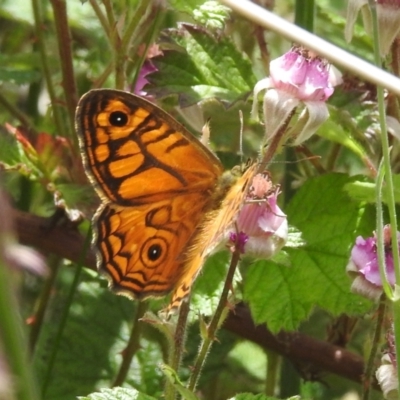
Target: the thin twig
pixel 215 322
pixel 274 145
pixel 133 344
pixel 67 69
pixel 41 306
pixel 262 44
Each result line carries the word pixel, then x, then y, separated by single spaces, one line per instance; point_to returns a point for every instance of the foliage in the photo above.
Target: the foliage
pixel 81 337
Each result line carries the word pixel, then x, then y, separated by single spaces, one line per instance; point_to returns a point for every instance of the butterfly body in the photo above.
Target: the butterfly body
pixel 157 186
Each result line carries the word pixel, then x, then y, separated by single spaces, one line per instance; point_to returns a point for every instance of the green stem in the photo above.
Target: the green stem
pixel 101 17
pixel 132 346
pixel 175 351
pixel 119 57
pixel 134 23
pixel 380 235
pixel 57 111
pixel 305 14
pixel 179 335
pixel 215 322
pixel 145 19
pixel 390 190
pixel 145 33
pixel 386 153
pixel 273 362
pixel 371 366
pixel 110 14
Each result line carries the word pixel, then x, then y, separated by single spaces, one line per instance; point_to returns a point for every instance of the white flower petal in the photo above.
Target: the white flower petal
pixel 366 289
pixel 393 126
pixel 389 27
pixel 353 8
pixel 266 246
pixel 278 106
pixel 335 76
pixel 264 84
pixel 317 114
pixel 282 232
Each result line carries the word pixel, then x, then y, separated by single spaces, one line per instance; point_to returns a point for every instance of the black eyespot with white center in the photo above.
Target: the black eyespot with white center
pixel 154 251
pixel 118 118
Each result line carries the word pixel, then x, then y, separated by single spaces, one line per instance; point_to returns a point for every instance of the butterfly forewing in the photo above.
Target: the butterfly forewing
pixel 136 153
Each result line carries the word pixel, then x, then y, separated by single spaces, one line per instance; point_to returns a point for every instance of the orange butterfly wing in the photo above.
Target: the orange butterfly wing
pixel 212 230
pixel 155 182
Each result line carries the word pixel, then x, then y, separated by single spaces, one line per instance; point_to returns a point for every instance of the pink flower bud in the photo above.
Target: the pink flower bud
pixel 261 221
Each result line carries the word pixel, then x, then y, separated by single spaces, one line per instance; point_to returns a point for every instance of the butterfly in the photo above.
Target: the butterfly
pixel 158 186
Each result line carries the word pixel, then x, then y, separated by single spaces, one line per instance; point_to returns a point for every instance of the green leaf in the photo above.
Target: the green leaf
pixel 329 221
pixel 211 14
pixel 203 67
pixel 10 153
pixel 361 190
pixel 15 157
pixel 117 393
pixel 89 353
pixel 365 190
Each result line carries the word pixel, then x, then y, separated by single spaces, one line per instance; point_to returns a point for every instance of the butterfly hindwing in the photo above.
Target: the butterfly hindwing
pixel 141 249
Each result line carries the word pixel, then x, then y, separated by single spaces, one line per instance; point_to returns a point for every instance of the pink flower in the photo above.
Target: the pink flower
pixel 297 78
pixel 147 68
pixel 363 266
pixel 261 222
pixel 304 78
pixel 141 81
